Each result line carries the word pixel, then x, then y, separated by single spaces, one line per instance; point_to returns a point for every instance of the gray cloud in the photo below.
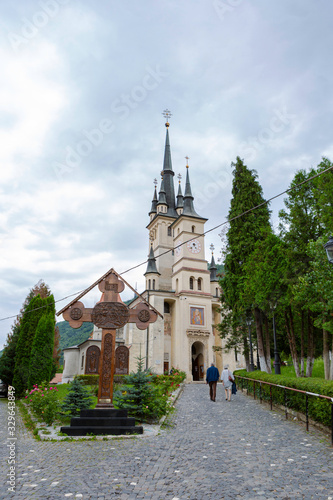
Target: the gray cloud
pixel 82 136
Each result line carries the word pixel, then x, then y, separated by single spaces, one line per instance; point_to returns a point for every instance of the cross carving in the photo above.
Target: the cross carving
pixel 109 314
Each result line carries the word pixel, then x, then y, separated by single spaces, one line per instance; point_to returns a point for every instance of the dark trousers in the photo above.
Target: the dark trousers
pixel 212 390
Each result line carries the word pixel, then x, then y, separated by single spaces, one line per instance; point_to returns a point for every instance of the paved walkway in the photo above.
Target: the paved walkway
pixel 222 450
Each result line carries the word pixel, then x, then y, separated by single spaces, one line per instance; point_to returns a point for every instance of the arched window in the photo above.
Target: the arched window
pixel 166 307
pixel 176 285
pixel 191 283
pixel 169 231
pixel 193 229
pixel 149 284
pixel 199 283
pixel 82 360
pixel 153 284
pixel 216 292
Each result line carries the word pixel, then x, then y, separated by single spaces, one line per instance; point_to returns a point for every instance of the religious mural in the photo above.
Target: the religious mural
pixel 197 315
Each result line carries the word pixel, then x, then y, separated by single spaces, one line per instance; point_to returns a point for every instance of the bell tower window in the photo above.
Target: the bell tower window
pixel 193 229
pixel 199 283
pixel 191 283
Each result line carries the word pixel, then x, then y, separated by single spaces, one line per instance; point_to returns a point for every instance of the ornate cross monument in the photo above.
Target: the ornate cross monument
pixel 109 314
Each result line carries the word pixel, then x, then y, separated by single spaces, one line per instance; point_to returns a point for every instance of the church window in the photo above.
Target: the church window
pixel 153 284
pixel 82 360
pixel 199 283
pixel 166 307
pixel 169 231
pixel 149 284
pixel 216 292
pixel 177 285
pixel 191 283
pixel 193 229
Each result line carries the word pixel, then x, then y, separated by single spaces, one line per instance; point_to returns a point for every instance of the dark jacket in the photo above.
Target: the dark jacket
pixel 212 374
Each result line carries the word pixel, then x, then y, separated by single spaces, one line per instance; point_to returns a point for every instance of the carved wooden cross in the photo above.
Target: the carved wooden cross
pixel 108 314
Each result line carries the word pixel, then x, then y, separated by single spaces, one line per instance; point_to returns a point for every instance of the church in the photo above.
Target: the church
pixel 179 284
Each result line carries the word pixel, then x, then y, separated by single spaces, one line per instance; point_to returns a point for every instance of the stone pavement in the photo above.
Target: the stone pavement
pixel 213 451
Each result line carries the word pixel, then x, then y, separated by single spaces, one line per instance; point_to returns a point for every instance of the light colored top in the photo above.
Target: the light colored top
pixel 225 378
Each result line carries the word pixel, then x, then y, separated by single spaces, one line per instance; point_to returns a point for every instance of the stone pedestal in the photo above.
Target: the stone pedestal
pixel 102 422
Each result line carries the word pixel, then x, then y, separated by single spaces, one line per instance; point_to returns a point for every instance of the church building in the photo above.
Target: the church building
pixel 180 285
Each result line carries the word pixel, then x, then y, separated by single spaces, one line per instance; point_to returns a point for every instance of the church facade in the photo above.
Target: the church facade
pixel 179 284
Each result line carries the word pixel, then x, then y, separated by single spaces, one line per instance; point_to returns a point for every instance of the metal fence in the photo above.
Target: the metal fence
pixel 257 391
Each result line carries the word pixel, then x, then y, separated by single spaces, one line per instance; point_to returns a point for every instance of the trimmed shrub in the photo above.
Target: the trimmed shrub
pixel 319 409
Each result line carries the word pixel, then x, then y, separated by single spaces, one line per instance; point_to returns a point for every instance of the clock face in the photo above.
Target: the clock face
pixel 194 246
pixel 178 247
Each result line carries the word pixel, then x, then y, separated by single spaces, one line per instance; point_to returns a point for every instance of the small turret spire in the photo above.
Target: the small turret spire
pixel 180 198
pixel 151 265
pixel 162 195
pixel 212 267
pixel 153 209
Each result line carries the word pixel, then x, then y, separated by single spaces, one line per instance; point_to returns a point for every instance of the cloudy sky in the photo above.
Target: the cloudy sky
pixel 83 86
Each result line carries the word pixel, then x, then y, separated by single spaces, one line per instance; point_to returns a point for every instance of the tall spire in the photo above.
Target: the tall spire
pixel 168 173
pixel 188 198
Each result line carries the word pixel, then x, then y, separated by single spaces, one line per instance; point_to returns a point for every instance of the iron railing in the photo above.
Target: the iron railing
pixel 285 389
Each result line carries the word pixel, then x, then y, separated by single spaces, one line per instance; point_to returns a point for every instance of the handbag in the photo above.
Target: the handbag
pixel 231 379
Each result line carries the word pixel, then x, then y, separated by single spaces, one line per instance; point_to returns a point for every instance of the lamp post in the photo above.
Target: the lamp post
pixel 329 250
pixel 248 321
pixel 277 368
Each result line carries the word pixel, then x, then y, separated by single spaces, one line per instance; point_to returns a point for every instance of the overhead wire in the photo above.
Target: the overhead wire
pixel 265 202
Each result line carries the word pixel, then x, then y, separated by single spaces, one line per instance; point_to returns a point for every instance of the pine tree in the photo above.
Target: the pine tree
pixel 41 360
pixel 138 393
pixel 244 231
pixel 78 398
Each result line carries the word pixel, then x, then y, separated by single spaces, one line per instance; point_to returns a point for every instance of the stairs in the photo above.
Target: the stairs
pixel 102 422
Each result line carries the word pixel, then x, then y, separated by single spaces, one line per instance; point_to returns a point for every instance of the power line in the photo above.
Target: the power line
pixel 202 234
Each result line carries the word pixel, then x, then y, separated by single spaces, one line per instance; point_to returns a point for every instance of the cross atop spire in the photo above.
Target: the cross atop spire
pixel 212 248
pixel 179 178
pixel 187 159
pixel 166 113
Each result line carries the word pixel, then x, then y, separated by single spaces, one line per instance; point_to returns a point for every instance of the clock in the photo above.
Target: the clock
pixel 194 246
pixel 178 247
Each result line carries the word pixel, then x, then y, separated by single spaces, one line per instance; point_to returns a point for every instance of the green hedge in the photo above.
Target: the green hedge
pixel 88 379
pixel 318 409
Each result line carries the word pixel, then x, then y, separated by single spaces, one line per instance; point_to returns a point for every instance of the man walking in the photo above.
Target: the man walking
pixel 212 377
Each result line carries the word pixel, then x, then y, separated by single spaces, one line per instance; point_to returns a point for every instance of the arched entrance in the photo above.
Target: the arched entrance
pixel 198 361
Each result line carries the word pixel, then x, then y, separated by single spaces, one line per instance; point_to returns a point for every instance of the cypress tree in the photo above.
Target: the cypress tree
pixel 7 360
pixel 41 360
pixel 31 316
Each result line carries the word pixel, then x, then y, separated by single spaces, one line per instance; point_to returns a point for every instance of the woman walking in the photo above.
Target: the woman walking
pixel 227 379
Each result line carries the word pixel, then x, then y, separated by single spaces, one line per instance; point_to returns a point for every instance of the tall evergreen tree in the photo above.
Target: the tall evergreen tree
pixel 34 311
pixel 41 359
pixel 242 235
pixel 7 360
pixel 300 224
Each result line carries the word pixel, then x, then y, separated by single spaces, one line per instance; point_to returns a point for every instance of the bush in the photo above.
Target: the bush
pixel 141 398
pixel 43 401
pixel 319 409
pixel 78 398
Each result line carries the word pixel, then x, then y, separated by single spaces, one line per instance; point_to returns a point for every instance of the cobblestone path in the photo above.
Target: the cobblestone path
pixel 222 450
